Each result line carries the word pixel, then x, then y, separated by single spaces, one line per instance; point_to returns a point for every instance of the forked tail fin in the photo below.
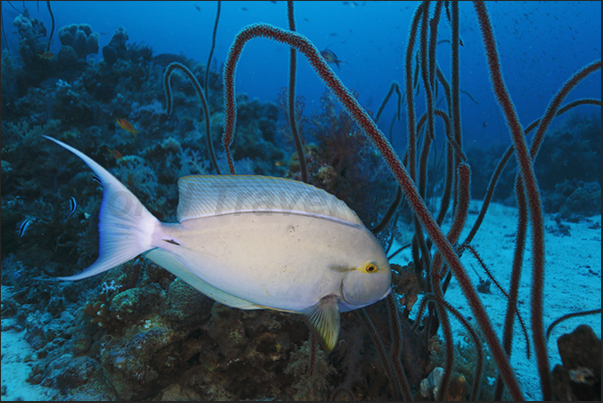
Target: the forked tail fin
pixel 125 226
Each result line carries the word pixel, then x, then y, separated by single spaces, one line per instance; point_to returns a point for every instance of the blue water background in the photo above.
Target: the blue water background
pixel 541 44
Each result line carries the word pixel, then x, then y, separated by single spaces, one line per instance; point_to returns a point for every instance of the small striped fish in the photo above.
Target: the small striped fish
pixel 72 207
pixel 23 226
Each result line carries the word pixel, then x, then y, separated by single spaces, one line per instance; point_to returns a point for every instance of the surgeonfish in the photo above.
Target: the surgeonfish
pixel 250 242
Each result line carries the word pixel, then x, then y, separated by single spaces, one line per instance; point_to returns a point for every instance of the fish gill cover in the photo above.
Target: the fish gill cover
pixel 466 85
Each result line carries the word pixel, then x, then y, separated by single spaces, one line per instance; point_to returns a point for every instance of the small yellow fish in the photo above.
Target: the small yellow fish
pixel 46 55
pixel 250 242
pixel 115 154
pixel 127 126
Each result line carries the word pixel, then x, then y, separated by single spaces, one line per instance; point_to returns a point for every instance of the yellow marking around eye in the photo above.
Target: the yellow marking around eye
pixel 370 267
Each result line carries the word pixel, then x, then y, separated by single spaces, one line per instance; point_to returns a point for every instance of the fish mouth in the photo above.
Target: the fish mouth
pixel 363 302
pixel 342 294
pixel 387 292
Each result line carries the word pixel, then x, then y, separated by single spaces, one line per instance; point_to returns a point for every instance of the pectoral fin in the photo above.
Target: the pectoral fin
pixel 323 321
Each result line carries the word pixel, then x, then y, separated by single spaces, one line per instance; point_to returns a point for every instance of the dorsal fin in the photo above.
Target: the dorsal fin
pixel 211 195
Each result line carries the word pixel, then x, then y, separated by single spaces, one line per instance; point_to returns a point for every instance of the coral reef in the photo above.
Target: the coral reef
pixel 463 371
pixel 579 378
pixel 116 48
pixel 570 189
pixel 30 43
pixel 406 283
pixel 139 333
pixel 135 332
pixel 256 138
pixel 312 379
pixel 67 57
pixel 9 90
pixel 80 38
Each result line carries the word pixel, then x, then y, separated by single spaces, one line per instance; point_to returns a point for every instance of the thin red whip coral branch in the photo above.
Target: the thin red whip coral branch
pixel 389 213
pixel 505 158
pixel 479 359
pixel 449 174
pixel 394 381
pixel 321 68
pixel 396 349
pixel 537 317
pixel 313 342
pixel 527 181
pixel 211 50
pixel 554 105
pixel 431 34
pixel 394 86
pixel 463 184
pixel 532 194
pixel 476 340
pixel 447 332
pixel 463 192
pixel 518 255
pixel 167 79
pixel 292 78
pixel 569 316
pixel 410 100
pixel 422 261
pixel 502 290
pixel 460 154
pixel 455 73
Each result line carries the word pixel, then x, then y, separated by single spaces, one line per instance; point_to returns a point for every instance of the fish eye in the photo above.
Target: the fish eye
pixel 370 268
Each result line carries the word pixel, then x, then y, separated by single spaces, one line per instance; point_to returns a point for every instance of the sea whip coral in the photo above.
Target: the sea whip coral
pixel 362 118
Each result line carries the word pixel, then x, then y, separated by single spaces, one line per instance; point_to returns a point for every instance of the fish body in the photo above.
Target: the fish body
pixel 250 242
pixel 72 207
pixel 23 226
pixel 331 57
pixel 264 263
pixel 127 126
pixel 46 55
pixel 115 154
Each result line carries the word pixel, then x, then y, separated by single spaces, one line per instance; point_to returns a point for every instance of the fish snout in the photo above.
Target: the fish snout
pixel 360 288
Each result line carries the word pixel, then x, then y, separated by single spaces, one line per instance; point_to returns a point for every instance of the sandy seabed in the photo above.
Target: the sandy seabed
pixel 572 283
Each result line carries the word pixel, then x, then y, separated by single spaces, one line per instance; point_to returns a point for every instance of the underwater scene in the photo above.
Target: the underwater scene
pixel 275 200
